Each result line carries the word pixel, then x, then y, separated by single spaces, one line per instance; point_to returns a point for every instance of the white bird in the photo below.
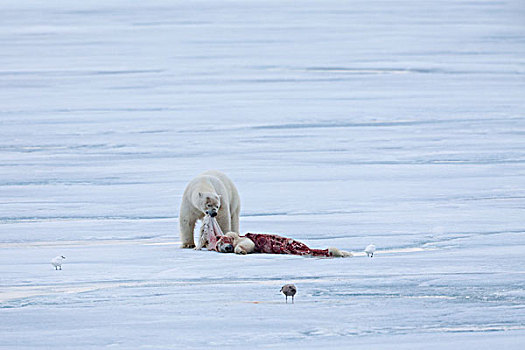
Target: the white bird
pixel 369 250
pixel 57 262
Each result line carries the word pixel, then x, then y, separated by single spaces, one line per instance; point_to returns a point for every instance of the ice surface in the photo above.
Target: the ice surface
pixel 343 123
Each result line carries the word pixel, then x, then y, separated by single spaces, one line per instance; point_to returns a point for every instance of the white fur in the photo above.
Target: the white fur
pixel 214 188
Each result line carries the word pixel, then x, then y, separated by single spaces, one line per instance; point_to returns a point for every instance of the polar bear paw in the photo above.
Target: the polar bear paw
pixel 188 245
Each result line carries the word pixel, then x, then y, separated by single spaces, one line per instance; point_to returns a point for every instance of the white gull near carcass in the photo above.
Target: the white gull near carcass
pixel 369 250
pixel 57 262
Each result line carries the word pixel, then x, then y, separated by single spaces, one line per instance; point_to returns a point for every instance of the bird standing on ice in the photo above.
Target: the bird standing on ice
pixel 57 262
pixel 369 250
pixel 289 290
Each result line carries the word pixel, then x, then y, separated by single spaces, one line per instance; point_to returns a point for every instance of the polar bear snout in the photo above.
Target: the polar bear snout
pixel 212 213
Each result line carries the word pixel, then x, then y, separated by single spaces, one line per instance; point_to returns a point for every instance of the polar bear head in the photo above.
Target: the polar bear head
pixel 208 203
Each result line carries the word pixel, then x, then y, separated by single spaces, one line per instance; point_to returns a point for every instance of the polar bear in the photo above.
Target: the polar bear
pixel 211 192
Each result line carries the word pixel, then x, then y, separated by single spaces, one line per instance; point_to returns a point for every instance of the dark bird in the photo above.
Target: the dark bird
pixel 289 290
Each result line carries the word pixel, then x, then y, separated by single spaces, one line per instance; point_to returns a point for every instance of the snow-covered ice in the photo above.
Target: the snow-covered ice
pixel 341 123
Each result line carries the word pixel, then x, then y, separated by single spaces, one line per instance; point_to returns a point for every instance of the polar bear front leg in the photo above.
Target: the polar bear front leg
pixel 224 220
pixel 203 234
pixel 234 217
pixel 186 226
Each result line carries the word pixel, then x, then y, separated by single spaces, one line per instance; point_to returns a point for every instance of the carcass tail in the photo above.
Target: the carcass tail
pixel 338 253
